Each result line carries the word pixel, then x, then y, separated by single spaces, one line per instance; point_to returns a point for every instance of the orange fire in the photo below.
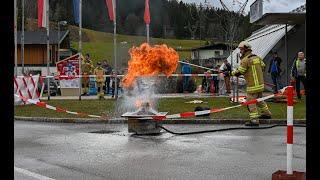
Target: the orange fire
pixel 149 60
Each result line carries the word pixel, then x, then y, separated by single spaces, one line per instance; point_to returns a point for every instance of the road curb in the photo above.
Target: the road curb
pixel 171 121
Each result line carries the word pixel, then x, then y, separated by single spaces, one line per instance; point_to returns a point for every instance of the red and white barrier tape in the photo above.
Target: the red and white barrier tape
pixel 197 113
pixel 57 109
pixel 158 118
pixel 121 75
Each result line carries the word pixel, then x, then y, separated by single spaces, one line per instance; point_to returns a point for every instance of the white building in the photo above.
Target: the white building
pixel 210 55
pixel 282 31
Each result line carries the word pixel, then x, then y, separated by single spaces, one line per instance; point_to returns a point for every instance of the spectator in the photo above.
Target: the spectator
pixel 206 81
pixel 216 79
pixel 298 72
pixel 186 69
pixel 222 85
pixel 225 68
pixel 275 70
pixel 112 82
pixel 108 69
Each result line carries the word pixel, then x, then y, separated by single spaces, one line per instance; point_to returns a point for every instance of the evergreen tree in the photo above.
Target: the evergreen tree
pixel 184 19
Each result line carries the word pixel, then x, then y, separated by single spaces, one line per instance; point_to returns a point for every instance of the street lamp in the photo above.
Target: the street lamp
pixel 63 23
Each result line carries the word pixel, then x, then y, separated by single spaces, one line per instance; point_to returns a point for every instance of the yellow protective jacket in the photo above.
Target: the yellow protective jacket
pixel 87 68
pixel 99 72
pixel 252 67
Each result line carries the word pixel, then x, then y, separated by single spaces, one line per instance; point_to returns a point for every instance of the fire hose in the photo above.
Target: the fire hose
pixel 226 129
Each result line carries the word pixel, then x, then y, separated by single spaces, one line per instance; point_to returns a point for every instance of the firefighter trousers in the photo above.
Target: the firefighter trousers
pixel 100 89
pixel 85 84
pixel 259 106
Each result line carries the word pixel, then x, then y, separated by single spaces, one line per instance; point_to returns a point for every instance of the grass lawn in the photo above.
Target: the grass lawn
pixel 171 105
pixel 100 45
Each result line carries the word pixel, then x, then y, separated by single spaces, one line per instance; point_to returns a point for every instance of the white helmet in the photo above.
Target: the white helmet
pixel 244 44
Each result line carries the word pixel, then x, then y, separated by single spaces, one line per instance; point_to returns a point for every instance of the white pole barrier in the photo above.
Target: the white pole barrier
pixel 115 47
pixel 148 39
pixel 80 47
pixel 289 129
pixel 48 47
pixel 22 38
pixel 15 39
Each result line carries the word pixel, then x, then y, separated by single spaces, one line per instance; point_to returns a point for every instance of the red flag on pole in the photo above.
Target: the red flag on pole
pixel 42 7
pixel 146 12
pixel 110 9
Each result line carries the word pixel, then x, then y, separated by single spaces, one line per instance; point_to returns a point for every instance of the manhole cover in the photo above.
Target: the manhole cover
pixel 104 132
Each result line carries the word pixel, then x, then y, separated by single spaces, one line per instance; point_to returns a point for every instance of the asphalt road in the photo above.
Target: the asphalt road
pixel 70 151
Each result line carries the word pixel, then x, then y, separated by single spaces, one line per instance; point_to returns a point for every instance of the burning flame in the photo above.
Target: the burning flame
pixel 149 60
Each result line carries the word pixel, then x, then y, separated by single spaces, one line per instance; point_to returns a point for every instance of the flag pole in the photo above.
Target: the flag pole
pixel 48 47
pixel 15 39
pixel 115 46
pixel 80 46
pixel 22 38
pixel 146 18
pixel 148 39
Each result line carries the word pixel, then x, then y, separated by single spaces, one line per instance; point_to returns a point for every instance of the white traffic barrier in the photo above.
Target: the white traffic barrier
pixel 27 86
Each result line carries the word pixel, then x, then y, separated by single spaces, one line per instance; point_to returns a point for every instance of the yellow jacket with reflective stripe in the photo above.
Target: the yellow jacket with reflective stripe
pixel 87 68
pixel 99 71
pixel 252 66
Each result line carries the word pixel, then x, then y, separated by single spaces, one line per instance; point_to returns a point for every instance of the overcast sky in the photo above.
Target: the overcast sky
pixel 268 5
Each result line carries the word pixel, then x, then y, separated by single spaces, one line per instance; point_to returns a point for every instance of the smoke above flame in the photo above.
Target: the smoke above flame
pixel 149 60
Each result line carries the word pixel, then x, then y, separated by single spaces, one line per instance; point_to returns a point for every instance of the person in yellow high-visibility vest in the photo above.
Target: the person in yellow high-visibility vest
pixel 99 72
pixel 252 67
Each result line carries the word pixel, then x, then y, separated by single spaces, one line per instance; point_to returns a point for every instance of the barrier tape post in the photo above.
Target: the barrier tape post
pixel 289 174
pixel 289 129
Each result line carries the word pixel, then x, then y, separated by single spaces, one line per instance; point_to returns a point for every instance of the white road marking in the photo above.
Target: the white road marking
pixel 32 174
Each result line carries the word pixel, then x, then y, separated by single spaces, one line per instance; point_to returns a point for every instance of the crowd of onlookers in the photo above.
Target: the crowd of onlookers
pixel 220 83
pixel 216 80
pixel 109 82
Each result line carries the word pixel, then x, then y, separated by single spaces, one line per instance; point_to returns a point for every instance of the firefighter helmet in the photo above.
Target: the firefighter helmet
pixel 244 44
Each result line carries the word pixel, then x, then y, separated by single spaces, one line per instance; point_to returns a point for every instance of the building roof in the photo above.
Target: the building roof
pixel 40 37
pixel 282 18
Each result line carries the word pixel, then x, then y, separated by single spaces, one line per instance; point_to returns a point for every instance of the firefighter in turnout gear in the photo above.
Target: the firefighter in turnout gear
pixel 99 72
pixel 252 67
pixel 87 69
